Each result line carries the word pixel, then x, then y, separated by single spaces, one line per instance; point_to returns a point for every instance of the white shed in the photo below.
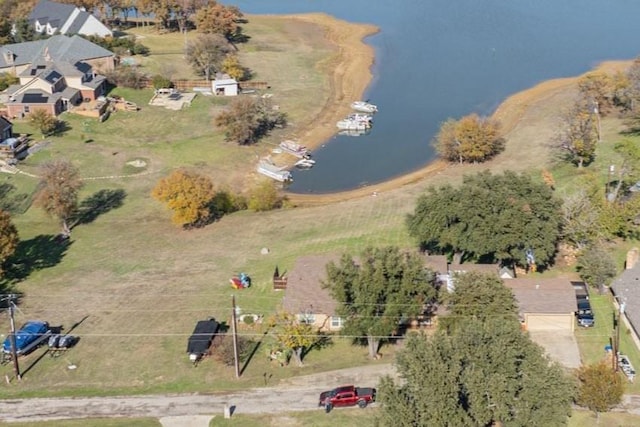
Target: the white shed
pixel 226 87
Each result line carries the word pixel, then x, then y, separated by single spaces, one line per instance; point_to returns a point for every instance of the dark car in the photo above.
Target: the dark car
pixel 586 320
pixel 584 307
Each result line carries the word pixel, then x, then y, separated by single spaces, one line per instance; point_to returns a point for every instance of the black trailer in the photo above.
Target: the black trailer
pixel 201 338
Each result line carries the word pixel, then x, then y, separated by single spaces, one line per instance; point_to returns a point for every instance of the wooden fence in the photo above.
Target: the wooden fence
pixel 187 85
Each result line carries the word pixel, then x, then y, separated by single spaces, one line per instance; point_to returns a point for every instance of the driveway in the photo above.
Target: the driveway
pixel 561 346
pixel 296 394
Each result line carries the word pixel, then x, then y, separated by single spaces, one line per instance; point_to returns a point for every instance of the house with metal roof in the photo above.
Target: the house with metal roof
pixel 54 73
pixel 626 289
pixel 51 18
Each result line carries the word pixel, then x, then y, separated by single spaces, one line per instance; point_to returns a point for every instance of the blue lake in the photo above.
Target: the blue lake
pixel 437 59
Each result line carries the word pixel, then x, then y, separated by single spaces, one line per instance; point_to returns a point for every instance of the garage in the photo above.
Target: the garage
pixel 549 322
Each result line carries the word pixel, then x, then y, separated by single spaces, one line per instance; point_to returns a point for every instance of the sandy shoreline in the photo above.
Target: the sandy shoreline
pixel 350 75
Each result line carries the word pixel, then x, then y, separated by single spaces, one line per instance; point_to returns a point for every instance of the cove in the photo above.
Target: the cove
pixel 437 59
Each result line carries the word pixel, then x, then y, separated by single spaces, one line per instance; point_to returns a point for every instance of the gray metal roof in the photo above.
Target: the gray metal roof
pixel 78 22
pixel 52 12
pixel 57 48
pixel 627 289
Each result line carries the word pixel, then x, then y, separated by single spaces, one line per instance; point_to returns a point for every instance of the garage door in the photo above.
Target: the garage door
pixel 549 322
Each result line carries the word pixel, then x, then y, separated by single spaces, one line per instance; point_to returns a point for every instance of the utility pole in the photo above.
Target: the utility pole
pixel 234 326
pixel 12 339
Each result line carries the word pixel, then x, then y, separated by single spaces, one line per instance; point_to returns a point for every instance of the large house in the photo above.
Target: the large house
pixel 54 74
pixel 626 289
pixel 52 18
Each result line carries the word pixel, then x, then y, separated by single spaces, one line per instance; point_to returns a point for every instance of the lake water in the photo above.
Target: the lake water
pixel 437 59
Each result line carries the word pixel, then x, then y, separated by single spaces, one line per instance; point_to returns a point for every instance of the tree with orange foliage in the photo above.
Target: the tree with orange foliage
pixel 217 18
pixel 470 139
pixel 8 238
pixel 188 195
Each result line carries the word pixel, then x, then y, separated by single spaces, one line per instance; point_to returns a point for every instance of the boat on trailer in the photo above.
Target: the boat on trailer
pixel 364 107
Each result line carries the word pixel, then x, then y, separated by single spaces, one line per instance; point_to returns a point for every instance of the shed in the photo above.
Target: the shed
pixel 545 304
pixel 225 86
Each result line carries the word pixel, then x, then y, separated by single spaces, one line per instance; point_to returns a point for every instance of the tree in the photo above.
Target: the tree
pixel 264 197
pixel 188 195
pixel 293 335
pixel 485 372
pixel 247 120
pixel 596 88
pixel 58 191
pixel 231 66
pixel 629 170
pixel 600 388
pixel 471 139
pixel 479 296
pixel 580 219
pixel 579 135
pixel 44 121
pixel 216 18
pixel 8 238
pixel 596 266
pixel 206 53
pixel 492 216
pixel 379 290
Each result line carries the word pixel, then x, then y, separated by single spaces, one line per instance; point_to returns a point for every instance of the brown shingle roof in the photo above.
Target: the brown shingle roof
pixel 437 263
pixel 304 291
pixel 543 295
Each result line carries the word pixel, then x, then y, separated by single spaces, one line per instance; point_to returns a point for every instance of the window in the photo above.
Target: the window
pixel 26 109
pixel 336 322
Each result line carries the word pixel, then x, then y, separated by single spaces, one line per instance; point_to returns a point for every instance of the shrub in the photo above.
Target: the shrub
pixel 264 197
pixel 160 82
pixel 224 350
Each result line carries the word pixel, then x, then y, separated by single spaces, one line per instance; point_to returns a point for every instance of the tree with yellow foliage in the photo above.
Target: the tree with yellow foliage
pixel 188 195
pixel 292 335
pixel 471 139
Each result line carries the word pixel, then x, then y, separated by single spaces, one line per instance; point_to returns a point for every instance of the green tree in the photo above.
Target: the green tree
pixel 580 219
pixel 247 120
pixel 479 296
pixel 207 52
pixel 379 290
pixel 58 191
pixel 600 388
pixel 293 335
pixel 596 266
pixel 491 216
pixel 579 135
pixel 485 372
pixel 8 238
pixel 264 197
pixel 470 139
pixel 188 195
pixel 628 172
pixel 44 121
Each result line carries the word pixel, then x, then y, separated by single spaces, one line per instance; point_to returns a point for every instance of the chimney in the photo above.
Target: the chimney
pixel 9 56
pixel 632 258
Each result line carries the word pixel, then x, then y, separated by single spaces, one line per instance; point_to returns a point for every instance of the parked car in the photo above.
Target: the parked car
pixel 28 337
pixel 347 396
pixel 625 366
pixel 584 307
pixel 586 320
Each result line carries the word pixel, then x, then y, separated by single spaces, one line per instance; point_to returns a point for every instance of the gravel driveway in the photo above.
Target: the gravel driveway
pixel 295 394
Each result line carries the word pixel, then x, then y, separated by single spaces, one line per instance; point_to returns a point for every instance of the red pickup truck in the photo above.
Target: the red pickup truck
pixel 348 395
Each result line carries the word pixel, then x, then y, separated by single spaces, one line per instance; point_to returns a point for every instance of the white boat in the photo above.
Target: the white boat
pixel 354 132
pixel 305 163
pixel 364 107
pixel 355 121
pixel 294 148
pixel 348 124
pixel 275 172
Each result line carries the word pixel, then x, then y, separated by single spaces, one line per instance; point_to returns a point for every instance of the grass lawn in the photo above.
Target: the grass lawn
pixel 609 419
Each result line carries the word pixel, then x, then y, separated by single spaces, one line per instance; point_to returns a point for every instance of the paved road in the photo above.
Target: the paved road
pixel 295 394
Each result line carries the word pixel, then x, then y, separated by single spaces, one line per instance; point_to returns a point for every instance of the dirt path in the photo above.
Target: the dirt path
pixel 294 394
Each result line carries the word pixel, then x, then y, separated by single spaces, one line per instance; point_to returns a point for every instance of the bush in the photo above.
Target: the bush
pixel 223 352
pixel 264 197
pixel 7 80
pixel 126 76
pixel 160 82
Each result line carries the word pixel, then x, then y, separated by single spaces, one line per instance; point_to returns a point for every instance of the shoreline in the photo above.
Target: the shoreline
pixel 346 70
